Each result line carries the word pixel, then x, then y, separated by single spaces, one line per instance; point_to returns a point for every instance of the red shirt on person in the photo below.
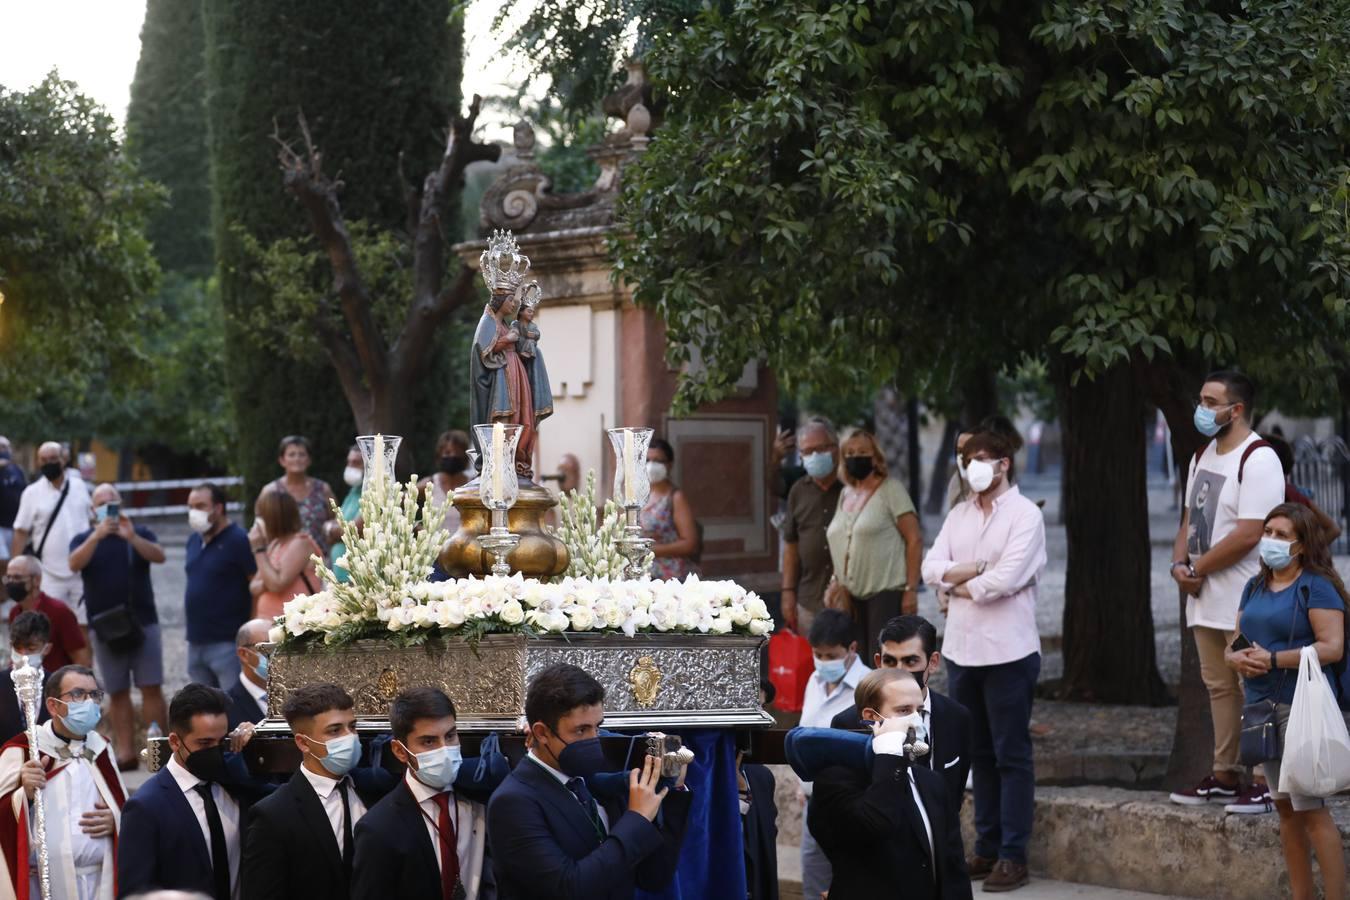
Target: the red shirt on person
pixel 66 634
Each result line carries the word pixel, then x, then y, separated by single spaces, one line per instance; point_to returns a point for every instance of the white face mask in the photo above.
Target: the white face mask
pixel 980 475
pixel 352 476
pixel 657 472
pixel 199 520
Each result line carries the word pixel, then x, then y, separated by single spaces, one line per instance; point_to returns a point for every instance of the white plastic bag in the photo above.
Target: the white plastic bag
pixel 1316 758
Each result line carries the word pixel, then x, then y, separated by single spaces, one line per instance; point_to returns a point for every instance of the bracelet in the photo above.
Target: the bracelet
pixel 1273 664
pixel 909 589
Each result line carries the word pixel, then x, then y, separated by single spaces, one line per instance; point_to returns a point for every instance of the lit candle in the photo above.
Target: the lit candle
pixel 379 460
pixel 629 469
pixel 498 448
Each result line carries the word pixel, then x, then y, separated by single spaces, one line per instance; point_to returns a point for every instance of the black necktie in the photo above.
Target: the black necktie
pixel 347 844
pixel 583 794
pixel 220 854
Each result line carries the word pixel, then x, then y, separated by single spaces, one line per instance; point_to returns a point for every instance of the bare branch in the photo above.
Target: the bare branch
pixel 347 365
pixel 410 353
pixel 303 177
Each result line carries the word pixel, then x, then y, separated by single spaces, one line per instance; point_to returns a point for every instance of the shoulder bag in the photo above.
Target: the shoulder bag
pixel 117 627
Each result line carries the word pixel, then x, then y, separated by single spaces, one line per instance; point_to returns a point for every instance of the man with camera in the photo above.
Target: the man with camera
pixel 895 824
pixel 549 837
pixel 113 558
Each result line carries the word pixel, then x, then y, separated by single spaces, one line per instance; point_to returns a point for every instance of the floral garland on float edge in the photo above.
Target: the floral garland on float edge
pixel 388 596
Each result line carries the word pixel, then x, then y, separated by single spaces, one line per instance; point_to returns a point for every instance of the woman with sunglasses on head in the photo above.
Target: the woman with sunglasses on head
pixel 1297 600
pixel 875 539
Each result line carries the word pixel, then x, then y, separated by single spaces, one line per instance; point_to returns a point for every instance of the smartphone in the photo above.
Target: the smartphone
pixel 114 510
pixel 1240 643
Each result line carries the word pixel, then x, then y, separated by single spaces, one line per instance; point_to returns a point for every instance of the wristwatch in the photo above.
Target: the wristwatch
pixel 1273 664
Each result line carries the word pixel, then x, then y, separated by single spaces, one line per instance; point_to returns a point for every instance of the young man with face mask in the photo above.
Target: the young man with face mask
pixel 986 565
pixel 29 641
pixel 300 840
pixel 1231 485
pixel 910 643
pixel 52 510
pixel 424 839
pixel 182 829
pixel 82 793
pixel 829 691
pixel 895 825
pixel 551 839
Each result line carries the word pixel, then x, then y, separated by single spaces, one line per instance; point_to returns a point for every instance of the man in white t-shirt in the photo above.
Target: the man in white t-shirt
pixel 1233 483
pixel 50 530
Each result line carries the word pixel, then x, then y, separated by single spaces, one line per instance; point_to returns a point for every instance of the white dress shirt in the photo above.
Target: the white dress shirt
pixel 331 799
pixel 563 779
pixel 923 814
pixel 461 817
pixel 229 816
pixel 259 694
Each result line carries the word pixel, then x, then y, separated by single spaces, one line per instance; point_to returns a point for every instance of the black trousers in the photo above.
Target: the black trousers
pixel 871 613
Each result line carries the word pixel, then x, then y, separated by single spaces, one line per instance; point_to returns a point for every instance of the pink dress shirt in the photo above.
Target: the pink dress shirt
pixel 997 623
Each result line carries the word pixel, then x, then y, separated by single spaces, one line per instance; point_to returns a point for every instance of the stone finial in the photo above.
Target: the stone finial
pixel 523 136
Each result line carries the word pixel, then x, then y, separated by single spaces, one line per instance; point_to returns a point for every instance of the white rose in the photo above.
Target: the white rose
pixel 276 634
pixel 512 613
pixel 761 626
pixel 582 618
pixel 721 625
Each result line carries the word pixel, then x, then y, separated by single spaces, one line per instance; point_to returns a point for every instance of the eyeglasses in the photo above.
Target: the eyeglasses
pixel 79 695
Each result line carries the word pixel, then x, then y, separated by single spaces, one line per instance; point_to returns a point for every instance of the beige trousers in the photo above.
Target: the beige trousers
pixel 1225 695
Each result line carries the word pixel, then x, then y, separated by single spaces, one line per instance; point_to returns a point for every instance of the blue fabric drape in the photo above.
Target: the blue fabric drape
pixel 712 860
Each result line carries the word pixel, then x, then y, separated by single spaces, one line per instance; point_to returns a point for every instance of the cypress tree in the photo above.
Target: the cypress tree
pixel 377 83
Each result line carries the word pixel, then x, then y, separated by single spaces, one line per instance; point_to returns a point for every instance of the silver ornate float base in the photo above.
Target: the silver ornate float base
pixel 650 680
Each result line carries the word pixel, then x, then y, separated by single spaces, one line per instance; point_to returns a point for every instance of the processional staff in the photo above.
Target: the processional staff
pixel 27 685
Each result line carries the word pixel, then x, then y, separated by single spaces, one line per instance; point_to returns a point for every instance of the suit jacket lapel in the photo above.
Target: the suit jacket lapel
pixel 188 818
pixel 550 790
pixel 933 792
pixel 315 817
pixel 409 810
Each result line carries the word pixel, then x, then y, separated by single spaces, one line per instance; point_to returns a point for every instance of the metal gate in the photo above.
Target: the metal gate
pixel 1322 471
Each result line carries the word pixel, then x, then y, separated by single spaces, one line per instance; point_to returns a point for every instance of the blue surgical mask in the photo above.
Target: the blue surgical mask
pixel 81 716
pixel 261 668
pixel 831 670
pixel 1275 553
pixel 438 768
pixel 343 753
pixel 818 465
pixel 1207 420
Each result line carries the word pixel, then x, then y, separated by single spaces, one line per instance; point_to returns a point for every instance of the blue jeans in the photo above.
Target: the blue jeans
pixel 999 699
pixel 215 664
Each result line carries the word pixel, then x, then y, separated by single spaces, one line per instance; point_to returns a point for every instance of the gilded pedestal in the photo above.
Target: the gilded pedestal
pixel 538 555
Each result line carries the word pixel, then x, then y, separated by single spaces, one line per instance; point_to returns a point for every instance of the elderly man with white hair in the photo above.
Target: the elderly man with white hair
pixel 52 510
pixel 114 557
pixel 811 504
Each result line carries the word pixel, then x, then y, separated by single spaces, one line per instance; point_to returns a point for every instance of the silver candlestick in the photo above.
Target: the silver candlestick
pixel 499 541
pixel 27 686
pixel 633 546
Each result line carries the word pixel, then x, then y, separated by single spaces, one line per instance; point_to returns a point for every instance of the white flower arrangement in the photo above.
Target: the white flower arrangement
pixel 473 607
pixel 591 535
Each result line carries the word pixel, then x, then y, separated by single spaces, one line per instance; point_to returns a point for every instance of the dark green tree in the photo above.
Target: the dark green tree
pixel 76 271
pixel 379 83
pixel 858 192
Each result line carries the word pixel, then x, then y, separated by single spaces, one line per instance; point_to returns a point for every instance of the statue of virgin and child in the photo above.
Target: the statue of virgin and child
pixel 509 380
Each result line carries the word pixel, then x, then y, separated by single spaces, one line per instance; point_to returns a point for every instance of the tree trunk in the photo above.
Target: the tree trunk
pixel 942 460
pixel 1173 389
pixel 1109 650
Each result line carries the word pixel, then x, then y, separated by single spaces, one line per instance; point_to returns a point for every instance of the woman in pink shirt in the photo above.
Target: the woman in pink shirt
pixel 986 564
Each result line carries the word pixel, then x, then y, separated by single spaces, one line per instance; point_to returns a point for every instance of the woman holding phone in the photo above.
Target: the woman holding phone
pixel 1297 600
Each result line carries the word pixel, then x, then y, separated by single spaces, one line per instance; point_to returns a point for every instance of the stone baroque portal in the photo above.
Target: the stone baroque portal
pixel 650 680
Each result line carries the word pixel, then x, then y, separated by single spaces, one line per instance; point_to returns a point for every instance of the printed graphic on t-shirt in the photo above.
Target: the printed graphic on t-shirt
pixel 1204 507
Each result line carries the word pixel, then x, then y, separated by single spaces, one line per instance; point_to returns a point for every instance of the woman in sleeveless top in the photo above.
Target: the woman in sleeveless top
pixel 312 495
pixel 668 519
pixel 283 555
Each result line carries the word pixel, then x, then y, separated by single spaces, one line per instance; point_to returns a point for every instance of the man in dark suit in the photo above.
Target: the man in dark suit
pixel 181 830
pixel 29 636
pixel 550 839
pixel 248 696
pixel 759 824
pixel 424 840
pixel 300 841
pixel 910 643
pixel 895 826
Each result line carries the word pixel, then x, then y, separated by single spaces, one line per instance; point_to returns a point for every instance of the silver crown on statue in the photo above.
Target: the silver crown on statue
pixel 502 264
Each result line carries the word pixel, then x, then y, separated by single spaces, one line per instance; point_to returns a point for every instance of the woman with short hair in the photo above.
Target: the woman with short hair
pixel 313 496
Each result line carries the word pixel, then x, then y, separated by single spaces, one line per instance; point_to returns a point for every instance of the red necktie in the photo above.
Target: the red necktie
pixel 449 855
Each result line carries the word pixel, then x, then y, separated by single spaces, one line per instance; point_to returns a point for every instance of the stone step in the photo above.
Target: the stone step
pixel 1137 841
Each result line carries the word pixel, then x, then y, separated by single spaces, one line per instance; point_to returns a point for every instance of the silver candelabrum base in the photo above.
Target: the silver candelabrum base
pixel 633 546
pixel 499 541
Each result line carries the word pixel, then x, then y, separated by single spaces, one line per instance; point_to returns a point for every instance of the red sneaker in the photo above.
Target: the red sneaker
pixel 1209 790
